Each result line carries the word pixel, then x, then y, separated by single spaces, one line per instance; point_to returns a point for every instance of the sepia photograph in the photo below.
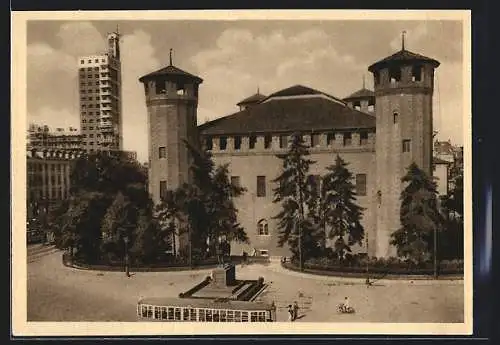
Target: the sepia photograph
pixel 183 172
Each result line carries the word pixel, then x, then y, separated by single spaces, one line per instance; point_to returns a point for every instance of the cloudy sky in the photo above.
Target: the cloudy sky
pixel 235 58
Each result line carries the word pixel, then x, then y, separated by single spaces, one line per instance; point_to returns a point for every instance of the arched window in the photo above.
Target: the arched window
pixel 263 228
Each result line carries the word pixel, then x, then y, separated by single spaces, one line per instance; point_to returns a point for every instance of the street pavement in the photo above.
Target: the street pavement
pixel 59 293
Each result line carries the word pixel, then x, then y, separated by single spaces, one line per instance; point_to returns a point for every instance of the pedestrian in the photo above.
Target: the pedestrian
pixel 295 310
pixel 346 304
pixel 290 313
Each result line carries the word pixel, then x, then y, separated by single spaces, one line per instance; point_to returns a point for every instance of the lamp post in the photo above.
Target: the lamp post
pixel 127 273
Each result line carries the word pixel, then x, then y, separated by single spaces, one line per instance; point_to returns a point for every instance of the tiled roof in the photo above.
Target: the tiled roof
pixel 253 99
pixel 363 93
pixel 170 71
pixel 402 56
pixel 290 114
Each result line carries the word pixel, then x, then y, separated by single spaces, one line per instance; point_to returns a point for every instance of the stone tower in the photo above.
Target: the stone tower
pixel 172 102
pixel 404 84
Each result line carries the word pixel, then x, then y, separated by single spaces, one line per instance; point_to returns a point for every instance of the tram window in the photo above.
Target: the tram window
pixel 157 313
pixel 201 316
pixel 237 316
pixel 209 314
pixel 262 316
pixel 253 316
pixel 138 310
pixel 244 316
pixel 177 314
pixel 216 316
pixel 150 311
pixel 230 316
pixel 170 313
pixel 192 314
pixel 144 311
pixel 223 316
pixel 185 314
pixel 164 313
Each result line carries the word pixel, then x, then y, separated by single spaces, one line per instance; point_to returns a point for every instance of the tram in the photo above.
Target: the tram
pixel 170 309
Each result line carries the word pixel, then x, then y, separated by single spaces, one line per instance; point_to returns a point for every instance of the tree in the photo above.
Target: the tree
pixel 293 193
pixel 100 181
pixel 204 210
pixel 340 213
pixel 419 216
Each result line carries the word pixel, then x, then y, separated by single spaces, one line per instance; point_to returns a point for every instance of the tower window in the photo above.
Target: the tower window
pixel 406 145
pixel 162 152
pixel 371 108
pixel 223 143
pixel 395 117
pixel 361 184
pixel 159 87
pixel 252 141
pixel 394 74
pixel 237 142
pixel 267 141
pixel 163 189
pixel 357 105
pixel 416 73
pixel 263 228
pixel 261 186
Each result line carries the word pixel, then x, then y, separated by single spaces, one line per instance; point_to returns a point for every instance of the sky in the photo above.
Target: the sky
pixel 235 58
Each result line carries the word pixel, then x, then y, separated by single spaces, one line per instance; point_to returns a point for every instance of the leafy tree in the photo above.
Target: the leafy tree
pixel 419 216
pixel 294 194
pixel 341 215
pixel 204 209
pixel 100 181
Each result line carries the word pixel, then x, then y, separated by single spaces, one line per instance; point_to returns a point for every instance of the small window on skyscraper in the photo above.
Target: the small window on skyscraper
pixel 90 61
pixel 96 60
pixel 96 68
pixel 82 61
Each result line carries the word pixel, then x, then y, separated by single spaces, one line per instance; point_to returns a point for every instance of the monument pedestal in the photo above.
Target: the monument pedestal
pixel 224 276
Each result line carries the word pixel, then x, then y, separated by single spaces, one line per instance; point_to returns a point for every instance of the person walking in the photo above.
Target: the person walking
pixel 295 310
pixel 290 313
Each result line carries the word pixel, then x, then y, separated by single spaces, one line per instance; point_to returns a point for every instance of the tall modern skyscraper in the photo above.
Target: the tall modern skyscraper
pixel 100 98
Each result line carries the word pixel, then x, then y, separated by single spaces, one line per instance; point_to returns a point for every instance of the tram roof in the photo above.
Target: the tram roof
pixel 204 303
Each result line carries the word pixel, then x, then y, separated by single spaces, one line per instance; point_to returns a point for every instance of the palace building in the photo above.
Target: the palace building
pixel 378 133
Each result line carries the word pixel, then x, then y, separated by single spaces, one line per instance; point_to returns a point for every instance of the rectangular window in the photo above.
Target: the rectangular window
pixel 406 145
pixel 159 87
pixel 261 186
pixel 264 252
pixel 330 138
pixel 347 139
pixel 394 74
pixel 267 141
pixel 235 181
pixel 363 138
pixel 283 141
pixel 416 73
pixel 237 142
pixel 361 184
pixel 395 117
pixel 252 142
pixel 209 143
pixel 314 140
pixel 163 189
pixel 223 143
pixel 162 152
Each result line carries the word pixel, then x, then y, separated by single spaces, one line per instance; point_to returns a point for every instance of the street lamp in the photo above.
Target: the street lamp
pixel 125 239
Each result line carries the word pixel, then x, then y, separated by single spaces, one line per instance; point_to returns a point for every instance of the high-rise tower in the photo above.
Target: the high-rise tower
pixel 172 103
pixel 404 84
pixel 100 98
